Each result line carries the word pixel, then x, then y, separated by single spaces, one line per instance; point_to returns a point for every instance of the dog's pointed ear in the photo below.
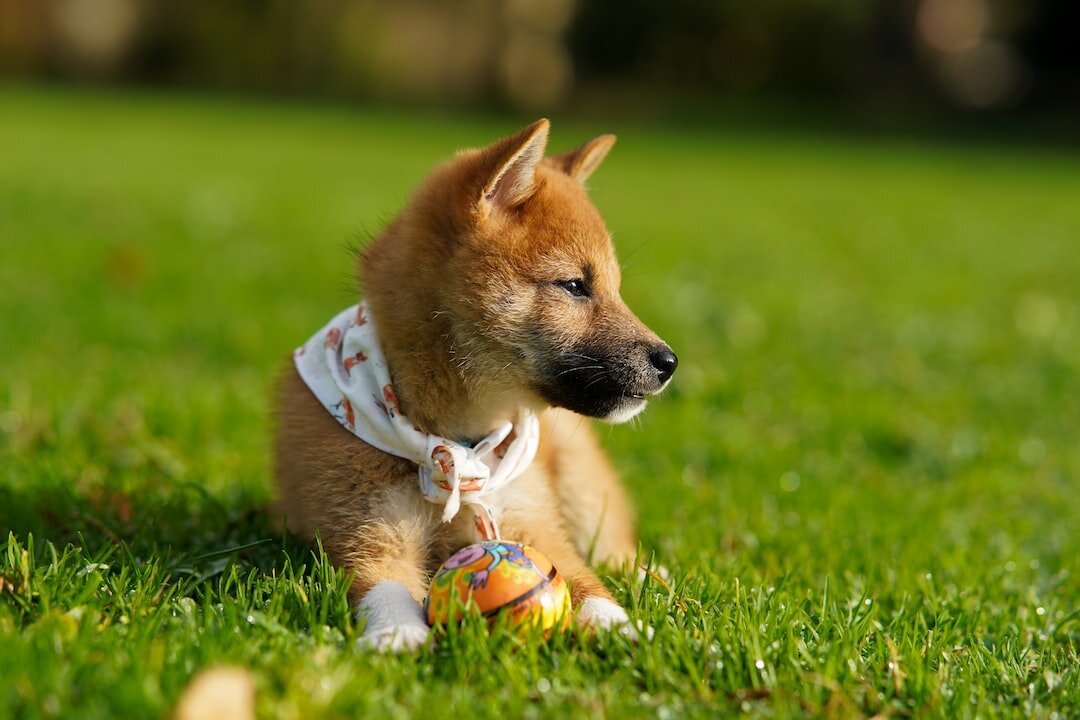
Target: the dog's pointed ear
pixel 580 163
pixel 510 167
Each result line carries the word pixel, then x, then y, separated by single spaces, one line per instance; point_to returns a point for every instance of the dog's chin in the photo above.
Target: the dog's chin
pixel 627 409
pixel 610 407
pixel 611 397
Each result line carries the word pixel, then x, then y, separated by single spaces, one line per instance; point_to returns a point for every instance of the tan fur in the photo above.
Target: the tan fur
pixel 458 285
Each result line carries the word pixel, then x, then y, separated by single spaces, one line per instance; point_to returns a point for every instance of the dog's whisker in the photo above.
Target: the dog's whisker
pixel 583 367
pixel 597 378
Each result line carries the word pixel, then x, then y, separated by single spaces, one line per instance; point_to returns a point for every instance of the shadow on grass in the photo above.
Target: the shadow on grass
pixel 192 535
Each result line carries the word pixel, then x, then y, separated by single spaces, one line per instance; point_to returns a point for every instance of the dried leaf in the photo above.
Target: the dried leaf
pixel 221 693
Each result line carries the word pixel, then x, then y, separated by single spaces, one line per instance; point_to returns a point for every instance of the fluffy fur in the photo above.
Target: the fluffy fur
pixel 496 287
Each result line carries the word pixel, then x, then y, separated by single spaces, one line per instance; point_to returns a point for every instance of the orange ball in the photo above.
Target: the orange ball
pixel 497 576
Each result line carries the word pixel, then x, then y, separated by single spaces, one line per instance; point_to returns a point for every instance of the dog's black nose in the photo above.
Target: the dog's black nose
pixel 664 361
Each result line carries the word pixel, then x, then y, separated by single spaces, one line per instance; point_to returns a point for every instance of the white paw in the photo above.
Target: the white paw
pixel 395 622
pixel 395 639
pixel 601 614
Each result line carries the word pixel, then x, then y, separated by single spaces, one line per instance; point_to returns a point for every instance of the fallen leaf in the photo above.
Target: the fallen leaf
pixel 221 693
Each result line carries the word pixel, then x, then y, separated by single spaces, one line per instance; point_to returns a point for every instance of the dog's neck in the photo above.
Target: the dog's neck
pixel 431 388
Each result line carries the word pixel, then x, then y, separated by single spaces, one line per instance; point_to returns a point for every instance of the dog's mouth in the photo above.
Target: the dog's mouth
pixel 604 390
pixel 616 408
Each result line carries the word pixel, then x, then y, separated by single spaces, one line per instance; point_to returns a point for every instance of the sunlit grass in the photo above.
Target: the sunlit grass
pixel 863 480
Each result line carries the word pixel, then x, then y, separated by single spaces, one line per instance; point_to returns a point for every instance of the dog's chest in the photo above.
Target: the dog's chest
pixel 514 506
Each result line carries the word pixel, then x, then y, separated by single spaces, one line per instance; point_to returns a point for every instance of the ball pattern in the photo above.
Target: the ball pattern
pixel 499 577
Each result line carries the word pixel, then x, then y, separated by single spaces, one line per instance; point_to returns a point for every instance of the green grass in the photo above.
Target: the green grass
pixel 864 478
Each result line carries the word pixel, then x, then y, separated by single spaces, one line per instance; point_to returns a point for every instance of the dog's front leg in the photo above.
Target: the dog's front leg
pixel 595 607
pixel 534 520
pixel 387 560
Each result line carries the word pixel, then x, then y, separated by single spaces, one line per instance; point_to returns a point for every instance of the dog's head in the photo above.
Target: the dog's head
pixel 523 274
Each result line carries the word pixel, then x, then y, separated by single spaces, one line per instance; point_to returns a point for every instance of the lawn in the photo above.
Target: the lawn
pixel 864 479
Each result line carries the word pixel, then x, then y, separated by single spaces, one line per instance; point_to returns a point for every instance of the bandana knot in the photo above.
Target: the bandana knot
pixel 345 369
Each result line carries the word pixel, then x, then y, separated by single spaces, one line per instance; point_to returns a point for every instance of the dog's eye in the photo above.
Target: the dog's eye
pixel 575 287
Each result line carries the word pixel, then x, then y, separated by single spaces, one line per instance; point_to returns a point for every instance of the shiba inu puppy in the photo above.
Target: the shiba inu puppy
pixel 447 406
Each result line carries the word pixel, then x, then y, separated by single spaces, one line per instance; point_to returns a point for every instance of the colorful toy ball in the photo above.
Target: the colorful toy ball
pixel 499 577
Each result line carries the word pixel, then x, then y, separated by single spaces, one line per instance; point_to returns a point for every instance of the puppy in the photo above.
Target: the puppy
pixel 447 406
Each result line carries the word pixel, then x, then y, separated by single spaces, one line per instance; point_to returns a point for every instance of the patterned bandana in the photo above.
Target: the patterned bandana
pixel 344 367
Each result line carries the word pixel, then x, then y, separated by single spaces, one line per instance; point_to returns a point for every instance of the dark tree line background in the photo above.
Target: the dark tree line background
pixel 902 58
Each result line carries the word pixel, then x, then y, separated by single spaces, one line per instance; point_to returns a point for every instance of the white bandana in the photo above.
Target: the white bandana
pixel 344 367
